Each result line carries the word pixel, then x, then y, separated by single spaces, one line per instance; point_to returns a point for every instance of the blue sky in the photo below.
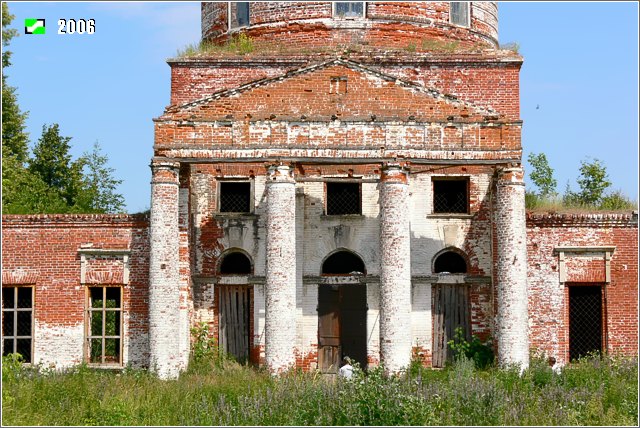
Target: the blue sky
pixel 578 84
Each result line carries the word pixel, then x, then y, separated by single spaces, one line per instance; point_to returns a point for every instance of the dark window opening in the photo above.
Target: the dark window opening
pixel 459 11
pixel 239 14
pixel 450 262
pixel 104 317
pixel 235 263
pixel 235 197
pixel 352 9
pixel 585 320
pixel 450 196
pixel 343 263
pixel 17 321
pixel 343 198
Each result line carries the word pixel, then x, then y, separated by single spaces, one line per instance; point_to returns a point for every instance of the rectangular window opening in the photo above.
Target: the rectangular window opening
pixel 104 329
pixel 459 13
pixel 343 198
pixel 17 321
pixel 235 197
pixel 238 14
pixel 349 9
pixel 450 196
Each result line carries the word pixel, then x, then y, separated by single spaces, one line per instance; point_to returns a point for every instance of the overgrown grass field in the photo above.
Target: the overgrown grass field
pixel 594 391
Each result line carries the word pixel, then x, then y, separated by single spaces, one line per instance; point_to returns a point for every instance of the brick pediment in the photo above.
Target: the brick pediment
pixel 334 90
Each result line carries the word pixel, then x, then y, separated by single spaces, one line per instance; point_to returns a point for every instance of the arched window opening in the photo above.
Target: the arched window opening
pixel 343 263
pixel 235 263
pixel 450 262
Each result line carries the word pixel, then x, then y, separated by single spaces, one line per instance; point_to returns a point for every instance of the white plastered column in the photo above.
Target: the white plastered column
pixel 512 320
pixel 164 279
pixel 395 269
pixel 280 289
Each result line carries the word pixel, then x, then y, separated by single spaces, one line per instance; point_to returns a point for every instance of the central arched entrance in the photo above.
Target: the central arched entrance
pixel 342 312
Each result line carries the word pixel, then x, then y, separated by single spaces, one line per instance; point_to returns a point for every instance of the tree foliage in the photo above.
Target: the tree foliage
pixel 593 182
pixel 98 193
pixel 52 163
pixel 14 136
pixel 542 175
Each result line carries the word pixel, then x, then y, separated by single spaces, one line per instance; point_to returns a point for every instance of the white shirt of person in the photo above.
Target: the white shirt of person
pixel 346 371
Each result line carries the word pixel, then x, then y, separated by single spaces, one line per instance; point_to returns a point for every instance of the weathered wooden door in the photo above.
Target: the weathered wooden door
pixel 342 325
pixel 329 328
pixel 234 327
pixel 450 310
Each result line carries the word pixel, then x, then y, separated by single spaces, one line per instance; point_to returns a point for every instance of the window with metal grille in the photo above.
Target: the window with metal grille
pixel 450 262
pixel 349 9
pixel 450 196
pixel 235 197
pixel 343 198
pixel 459 13
pixel 238 14
pixel 104 325
pixel 17 321
pixel 235 263
pixel 585 320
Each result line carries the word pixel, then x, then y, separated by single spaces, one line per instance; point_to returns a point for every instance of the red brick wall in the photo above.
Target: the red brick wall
pixel 47 246
pixel 389 24
pixel 549 299
pixel 486 80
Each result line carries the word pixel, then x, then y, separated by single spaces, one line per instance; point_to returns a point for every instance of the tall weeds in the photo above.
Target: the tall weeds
pixel 594 391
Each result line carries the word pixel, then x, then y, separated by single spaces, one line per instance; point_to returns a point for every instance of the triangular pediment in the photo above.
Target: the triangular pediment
pixel 333 90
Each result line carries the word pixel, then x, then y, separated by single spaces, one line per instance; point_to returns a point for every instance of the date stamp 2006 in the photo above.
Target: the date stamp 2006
pixel 65 26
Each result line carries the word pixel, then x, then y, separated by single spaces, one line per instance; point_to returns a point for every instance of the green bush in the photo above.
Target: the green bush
pixel 480 353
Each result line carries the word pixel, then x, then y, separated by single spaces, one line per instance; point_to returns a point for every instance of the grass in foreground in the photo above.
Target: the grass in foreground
pixel 594 391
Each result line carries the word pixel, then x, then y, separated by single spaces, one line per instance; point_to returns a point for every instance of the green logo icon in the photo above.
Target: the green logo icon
pixel 34 26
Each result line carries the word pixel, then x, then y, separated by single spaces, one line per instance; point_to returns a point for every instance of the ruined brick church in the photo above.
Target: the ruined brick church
pixel 352 186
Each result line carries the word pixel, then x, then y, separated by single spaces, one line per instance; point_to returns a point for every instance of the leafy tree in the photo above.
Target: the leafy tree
pixel 14 136
pixel 24 192
pixel 99 186
pixel 52 163
pixel 542 175
pixel 593 182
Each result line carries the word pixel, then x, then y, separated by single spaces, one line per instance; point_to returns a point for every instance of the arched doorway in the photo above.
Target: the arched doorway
pixel 450 305
pixel 342 312
pixel 235 306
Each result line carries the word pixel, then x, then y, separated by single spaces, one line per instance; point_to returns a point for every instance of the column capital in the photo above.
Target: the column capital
pixel 164 171
pixel 280 173
pixel 510 175
pixel 394 173
pixel 163 163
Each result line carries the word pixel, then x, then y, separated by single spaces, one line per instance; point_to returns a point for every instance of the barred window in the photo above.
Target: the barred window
pixel 343 198
pixel 235 197
pixel 459 13
pixel 349 9
pixel 238 14
pixel 451 196
pixel 17 321
pixel 104 325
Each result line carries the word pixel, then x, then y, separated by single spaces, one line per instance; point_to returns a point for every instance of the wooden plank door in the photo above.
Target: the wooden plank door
pixel 234 310
pixel 329 351
pixel 450 310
